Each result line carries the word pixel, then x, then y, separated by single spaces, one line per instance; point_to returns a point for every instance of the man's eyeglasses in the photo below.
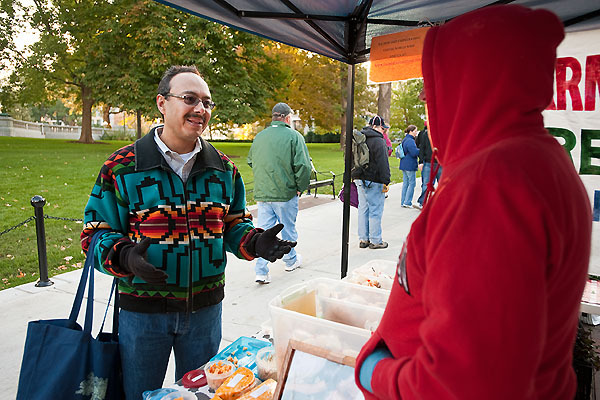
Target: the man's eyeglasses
pixel 192 101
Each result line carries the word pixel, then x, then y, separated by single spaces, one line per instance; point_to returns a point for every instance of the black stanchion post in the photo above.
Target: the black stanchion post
pixel 38 203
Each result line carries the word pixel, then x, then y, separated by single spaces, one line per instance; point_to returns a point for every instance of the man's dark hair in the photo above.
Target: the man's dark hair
pixel 164 86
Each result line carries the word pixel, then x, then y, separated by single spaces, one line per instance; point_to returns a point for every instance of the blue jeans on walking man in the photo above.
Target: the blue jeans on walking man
pixel 425 179
pixel 270 213
pixel 409 180
pixel 146 340
pixel 371 200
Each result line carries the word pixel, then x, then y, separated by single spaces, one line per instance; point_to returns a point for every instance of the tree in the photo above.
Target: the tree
pixel 115 51
pixel 9 26
pixel 58 63
pixel 406 108
pixel 365 99
pixel 146 38
pixel 315 86
pixel 384 101
pixel 311 85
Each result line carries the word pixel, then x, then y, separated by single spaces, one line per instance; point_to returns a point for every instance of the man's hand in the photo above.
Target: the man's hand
pixel 385 188
pixel 132 259
pixel 420 167
pixel 268 246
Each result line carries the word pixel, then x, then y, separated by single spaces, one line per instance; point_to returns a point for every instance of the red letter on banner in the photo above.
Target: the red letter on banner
pixel 592 81
pixel 562 85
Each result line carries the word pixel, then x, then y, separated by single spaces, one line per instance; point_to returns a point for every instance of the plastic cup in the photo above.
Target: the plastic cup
pixel 266 363
pixel 215 379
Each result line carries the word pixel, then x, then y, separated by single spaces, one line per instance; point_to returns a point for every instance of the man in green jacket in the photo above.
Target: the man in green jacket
pixel 281 165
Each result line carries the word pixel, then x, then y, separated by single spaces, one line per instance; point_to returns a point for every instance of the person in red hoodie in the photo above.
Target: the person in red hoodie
pixel 486 298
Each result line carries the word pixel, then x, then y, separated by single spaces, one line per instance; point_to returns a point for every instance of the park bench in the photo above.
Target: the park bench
pixel 316 182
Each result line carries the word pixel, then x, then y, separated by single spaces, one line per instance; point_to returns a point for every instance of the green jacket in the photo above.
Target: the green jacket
pixel 280 162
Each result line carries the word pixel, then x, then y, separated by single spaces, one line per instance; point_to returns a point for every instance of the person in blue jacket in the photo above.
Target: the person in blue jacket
pixel 408 166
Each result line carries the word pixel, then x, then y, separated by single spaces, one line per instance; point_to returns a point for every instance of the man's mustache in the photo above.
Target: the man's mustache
pixel 194 115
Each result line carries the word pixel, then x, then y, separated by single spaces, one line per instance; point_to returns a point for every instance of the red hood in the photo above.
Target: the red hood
pixel 505 107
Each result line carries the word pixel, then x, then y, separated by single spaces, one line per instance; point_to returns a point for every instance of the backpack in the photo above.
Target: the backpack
pixel 360 153
pixel 400 151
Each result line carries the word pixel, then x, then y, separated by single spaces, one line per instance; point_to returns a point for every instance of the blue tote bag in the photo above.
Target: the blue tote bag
pixel 63 361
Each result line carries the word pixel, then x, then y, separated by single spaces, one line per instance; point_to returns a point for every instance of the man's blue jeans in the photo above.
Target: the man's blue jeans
pixel 270 213
pixel 146 340
pixel 425 179
pixel 371 200
pixel 408 187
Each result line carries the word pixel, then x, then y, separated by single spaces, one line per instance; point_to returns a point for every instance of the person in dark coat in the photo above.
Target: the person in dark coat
pixel 372 185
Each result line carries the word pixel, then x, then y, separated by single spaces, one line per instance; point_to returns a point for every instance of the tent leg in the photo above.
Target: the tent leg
pixel 347 169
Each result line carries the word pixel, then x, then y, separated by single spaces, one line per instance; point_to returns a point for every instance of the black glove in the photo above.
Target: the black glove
pixel 132 259
pixel 268 246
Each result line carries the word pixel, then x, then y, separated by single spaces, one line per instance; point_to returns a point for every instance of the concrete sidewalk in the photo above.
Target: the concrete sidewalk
pixel 245 305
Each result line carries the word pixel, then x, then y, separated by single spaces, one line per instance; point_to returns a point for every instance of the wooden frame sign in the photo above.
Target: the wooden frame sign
pixel 311 372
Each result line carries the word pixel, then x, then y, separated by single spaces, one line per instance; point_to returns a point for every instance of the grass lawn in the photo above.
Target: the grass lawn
pixel 63 173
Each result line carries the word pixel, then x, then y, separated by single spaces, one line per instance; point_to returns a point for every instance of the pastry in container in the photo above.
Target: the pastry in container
pixel 266 363
pixel 217 372
pixel 236 385
pixel 264 391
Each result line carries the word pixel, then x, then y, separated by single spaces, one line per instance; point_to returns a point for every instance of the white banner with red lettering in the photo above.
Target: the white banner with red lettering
pixel 574 115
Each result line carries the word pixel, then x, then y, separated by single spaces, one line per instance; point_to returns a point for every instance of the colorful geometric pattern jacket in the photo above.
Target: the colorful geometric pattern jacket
pixel 137 195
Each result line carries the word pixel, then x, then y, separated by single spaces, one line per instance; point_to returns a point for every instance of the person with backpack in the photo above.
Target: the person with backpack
pixel 371 181
pixel 408 166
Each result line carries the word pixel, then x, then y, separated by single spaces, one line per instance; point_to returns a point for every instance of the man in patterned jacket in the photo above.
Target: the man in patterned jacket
pixel 167 208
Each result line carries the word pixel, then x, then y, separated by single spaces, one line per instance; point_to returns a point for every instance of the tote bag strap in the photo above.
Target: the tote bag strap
pixel 85 273
pixel 114 289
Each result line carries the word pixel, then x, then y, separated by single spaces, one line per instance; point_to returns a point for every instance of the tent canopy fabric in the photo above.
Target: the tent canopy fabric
pixel 343 29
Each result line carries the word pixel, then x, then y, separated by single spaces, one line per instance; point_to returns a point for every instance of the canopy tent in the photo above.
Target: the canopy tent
pixel 343 30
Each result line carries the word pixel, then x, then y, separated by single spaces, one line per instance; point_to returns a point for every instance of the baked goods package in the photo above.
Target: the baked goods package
pixel 236 385
pixel 264 391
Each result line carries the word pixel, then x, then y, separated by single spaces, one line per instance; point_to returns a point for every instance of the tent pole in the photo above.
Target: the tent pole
pixel 348 168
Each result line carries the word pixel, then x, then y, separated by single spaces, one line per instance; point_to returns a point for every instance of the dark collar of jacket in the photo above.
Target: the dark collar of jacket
pixel 370 132
pixel 147 155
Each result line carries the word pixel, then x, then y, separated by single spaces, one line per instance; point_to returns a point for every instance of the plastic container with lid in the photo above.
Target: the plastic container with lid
pixel 194 379
pixel 350 292
pixel 242 352
pixel 168 394
pixel 217 371
pixel 236 385
pixel 300 312
pixel 375 273
pixel 266 363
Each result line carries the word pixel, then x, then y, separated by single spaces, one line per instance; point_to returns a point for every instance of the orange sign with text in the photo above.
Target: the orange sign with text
pixel 397 56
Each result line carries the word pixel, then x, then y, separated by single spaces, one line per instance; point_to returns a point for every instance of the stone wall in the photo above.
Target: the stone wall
pixel 16 128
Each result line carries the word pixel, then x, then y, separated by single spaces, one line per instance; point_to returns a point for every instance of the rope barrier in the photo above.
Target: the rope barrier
pixel 16 226
pixel 32 218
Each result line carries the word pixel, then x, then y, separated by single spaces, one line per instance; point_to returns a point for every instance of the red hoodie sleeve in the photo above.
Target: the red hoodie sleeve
pixel 483 264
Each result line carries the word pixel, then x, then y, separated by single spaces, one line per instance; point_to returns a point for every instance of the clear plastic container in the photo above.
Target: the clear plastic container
pixel 242 352
pixel 266 363
pixel 327 313
pixel 215 379
pixel 350 293
pixel 168 394
pixel 375 273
